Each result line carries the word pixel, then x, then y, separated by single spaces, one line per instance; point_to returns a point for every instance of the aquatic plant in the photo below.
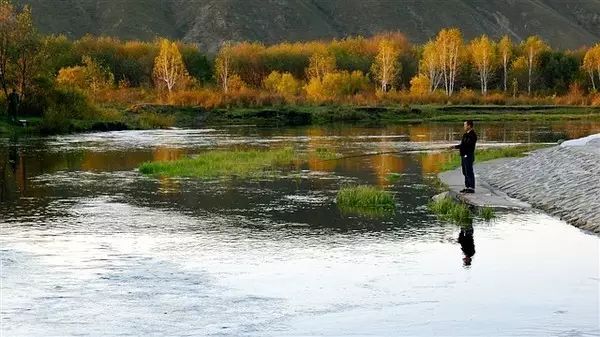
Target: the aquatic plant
pixel 365 200
pixel 242 163
pixel 393 177
pixel 487 213
pixel 324 153
pixel 450 210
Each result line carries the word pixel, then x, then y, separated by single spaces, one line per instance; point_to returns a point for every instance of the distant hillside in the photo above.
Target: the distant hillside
pixel 564 23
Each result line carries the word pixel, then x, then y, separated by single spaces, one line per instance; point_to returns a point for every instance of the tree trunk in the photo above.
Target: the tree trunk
pixel 505 75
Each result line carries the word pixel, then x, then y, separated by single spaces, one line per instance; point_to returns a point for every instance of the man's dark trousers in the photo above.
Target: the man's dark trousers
pixel 467 170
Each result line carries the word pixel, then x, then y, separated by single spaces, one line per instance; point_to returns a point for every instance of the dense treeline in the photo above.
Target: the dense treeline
pixel 53 74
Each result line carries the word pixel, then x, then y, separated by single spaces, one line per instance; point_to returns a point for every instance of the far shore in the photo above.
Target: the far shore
pixel 157 116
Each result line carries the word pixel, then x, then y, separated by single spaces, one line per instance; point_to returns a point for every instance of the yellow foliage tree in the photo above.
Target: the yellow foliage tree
pixel 419 85
pixel 223 66
pixel 169 69
pixel 91 76
pixel 505 50
pixel 532 48
pixel 282 83
pixel 321 63
pixel 519 69
pixel 336 84
pixel 386 66
pixel 430 65
pixel 483 55
pixel 449 47
pixel 591 63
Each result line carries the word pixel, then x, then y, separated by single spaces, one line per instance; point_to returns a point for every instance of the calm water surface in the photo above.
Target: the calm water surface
pixel 92 248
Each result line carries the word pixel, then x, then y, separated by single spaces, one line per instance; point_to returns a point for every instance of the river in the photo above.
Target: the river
pixel 90 247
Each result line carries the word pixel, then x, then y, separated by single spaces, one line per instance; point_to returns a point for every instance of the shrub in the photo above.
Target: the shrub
pixel 282 83
pixel 90 76
pixel 154 120
pixel 336 84
pixel 419 85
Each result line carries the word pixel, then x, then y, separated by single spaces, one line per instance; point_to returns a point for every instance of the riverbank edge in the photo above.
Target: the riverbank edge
pixel 538 202
pixel 166 116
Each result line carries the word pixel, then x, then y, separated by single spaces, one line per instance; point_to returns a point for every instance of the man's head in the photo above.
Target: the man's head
pixel 14 90
pixel 468 126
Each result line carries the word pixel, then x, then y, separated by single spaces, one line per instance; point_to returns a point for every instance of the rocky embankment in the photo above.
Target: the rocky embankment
pixel 563 180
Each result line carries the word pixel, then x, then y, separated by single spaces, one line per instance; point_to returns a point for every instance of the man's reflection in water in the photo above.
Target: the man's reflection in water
pixel 467 244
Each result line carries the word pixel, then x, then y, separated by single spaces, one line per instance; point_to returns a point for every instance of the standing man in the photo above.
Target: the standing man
pixel 467 156
pixel 13 105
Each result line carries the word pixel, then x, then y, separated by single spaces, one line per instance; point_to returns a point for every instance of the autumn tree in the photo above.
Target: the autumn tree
pixel 483 55
pixel 27 50
pixel 419 85
pixel 20 47
pixel 518 72
pixel 532 48
pixel 282 83
pixel 91 76
pixel 223 66
pixel 448 45
pixel 387 65
pixel 430 66
pixel 505 50
pixel 169 69
pixel 320 64
pixel 7 25
pixel 591 63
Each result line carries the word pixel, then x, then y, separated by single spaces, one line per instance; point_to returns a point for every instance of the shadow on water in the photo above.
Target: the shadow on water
pixel 467 244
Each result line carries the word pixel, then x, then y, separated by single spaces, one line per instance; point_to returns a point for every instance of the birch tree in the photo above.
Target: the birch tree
pixel 386 66
pixel 449 44
pixel 320 64
pixel 223 66
pixel 505 50
pixel 533 47
pixel 429 66
pixel 591 64
pixel 169 69
pixel 483 54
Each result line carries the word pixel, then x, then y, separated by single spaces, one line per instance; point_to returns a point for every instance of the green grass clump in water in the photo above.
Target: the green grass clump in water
pixel 223 163
pixel 393 177
pixel 365 200
pixel 491 154
pixel 487 213
pixel 450 210
pixel 324 153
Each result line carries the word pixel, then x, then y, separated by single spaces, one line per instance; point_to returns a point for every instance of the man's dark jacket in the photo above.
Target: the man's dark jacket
pixel 467 144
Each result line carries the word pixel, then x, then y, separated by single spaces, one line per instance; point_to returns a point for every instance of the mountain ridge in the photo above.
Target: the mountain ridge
pixel 209 22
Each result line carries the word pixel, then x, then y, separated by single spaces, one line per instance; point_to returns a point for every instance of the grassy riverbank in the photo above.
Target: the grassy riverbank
pixel 153 116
